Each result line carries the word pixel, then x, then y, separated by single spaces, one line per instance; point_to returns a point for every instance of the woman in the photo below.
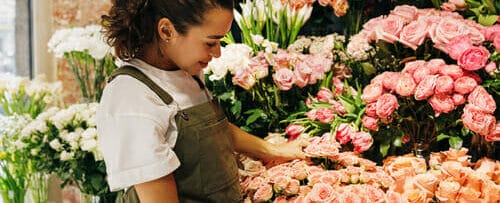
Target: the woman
pixel 163 137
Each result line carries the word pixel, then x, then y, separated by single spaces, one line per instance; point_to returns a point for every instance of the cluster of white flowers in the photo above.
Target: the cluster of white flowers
pixel 79 39
pixel 10 128
pixel 38 89
pixel 75 127
pixel 232 56
pixel 315 44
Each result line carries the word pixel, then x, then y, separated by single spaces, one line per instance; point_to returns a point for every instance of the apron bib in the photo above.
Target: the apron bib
pixel 204 146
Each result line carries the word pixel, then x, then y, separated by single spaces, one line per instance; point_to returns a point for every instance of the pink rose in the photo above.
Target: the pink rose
pixel 322 192
pixel 408 13
pixel 494 135
pixel 434 65
pixel 325 115
pixel 293 131
pixel 362 141
pixel 390 80
pixel 344 133
pixel 370 123
pixel 389 29
pixel 378 79
pixel 293 187
pixel 243 78
pixel 281 59
pixel 280 182
pixel 386 104
pixel 448 6
pixel 460 4
pixel 474 76
pixel 474 119
pixel 490 31
pixel 324 95
pixel 263 194
pixel 311 115
pixel 414 34
pixel 302 74
pixel 491 67
pixel 458 99
pixel 372 92
pixel 442 103
pixel 406 85
pixel 280 199
pixel 425 88
pixel 421 73
pixel 496 41
pixel 444 85
pixel 474 58
pixel 458 45
pixel 454 71
pixel 339 108
pixel 371 109
pixel 284 78
pixel 446 30
pixel 411 66
pixel 464 85
pixel 482 99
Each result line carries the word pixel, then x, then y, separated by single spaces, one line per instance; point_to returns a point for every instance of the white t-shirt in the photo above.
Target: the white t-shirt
pixel 137 130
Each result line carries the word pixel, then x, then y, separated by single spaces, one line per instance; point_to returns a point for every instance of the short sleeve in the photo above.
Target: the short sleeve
pixel 132 125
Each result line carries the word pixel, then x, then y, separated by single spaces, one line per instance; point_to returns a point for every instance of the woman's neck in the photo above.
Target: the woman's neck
pixel 153 56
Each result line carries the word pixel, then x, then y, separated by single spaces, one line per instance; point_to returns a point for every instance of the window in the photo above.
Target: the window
pixel 15 43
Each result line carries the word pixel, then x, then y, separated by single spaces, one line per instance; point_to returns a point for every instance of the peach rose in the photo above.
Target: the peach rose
pixel 444 85
pixel 458 99
pixel 467 194
pixel 441 103
pixel 263 194
pixel 293 187
pixel 390 80
pixel 372 92
pixel 415 195
pixel 426 182
pixel 447 191
pixel 322 192
pixel 494 135
pixel 474 119
pixel 454 71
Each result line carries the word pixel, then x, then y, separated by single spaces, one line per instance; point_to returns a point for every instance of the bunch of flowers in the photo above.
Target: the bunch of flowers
pixel 64 141
pixel 486 12
pixel 336 109
pixel 278 20
pixel 349 178
pixel 88 55
pixel 19 95
pixel 424 98
pixel 259 89
pixel 14 166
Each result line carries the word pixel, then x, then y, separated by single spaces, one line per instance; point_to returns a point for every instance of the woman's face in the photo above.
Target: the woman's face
pixel 192 51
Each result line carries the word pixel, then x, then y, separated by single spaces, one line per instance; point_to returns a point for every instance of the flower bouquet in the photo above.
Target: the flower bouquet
pixel 427 84
pixel 88 55
pixel 64 141
pixel 20 95
pixel 259 89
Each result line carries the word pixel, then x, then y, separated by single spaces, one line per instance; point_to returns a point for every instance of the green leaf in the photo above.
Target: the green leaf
pixel 236 108
pixel 257 113
pixel 442 136
pixel 384 149
pixel 487 20
pixel 455 142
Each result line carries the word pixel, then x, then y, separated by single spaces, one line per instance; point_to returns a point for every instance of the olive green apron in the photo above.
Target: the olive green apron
pixel 204 146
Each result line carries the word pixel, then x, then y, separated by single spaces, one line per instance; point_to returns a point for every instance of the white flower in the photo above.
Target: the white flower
pixel 18 144
pixel 66 155
pixel 88 145
pixel 89 133
pixel 72 137
pixel 55 144
pixel 34 151
pixel 257 39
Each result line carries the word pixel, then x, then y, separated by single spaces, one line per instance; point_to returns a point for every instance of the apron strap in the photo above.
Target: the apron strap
pixel 139 75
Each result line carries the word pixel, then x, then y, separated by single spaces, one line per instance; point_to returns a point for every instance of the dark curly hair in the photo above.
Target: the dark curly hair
pixel 131 24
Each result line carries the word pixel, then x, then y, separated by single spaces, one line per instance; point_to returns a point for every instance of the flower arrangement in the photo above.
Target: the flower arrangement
pixel 349 178
pixel 427 80
pixel 64 141
pixel 88 55
pixel 19 95
pixel 259 89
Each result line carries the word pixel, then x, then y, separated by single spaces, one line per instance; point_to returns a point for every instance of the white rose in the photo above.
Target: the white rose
pixel 55 144
pixel 66 155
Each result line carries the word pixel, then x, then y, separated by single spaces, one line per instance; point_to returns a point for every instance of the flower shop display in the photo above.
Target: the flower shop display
pixel 335 176
pixel 64 142
pixel 259 89
pixel 429 66
pixel 88 55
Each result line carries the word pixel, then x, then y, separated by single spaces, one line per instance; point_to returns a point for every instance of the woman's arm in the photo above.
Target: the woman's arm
pixel 159 190
pixel 251 145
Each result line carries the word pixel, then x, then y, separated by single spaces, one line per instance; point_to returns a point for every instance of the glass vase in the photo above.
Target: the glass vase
pixel 89 198
pixel 480 148
pixel 38 187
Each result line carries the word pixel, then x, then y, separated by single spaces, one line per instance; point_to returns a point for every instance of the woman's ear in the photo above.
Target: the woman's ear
pixel 166 30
